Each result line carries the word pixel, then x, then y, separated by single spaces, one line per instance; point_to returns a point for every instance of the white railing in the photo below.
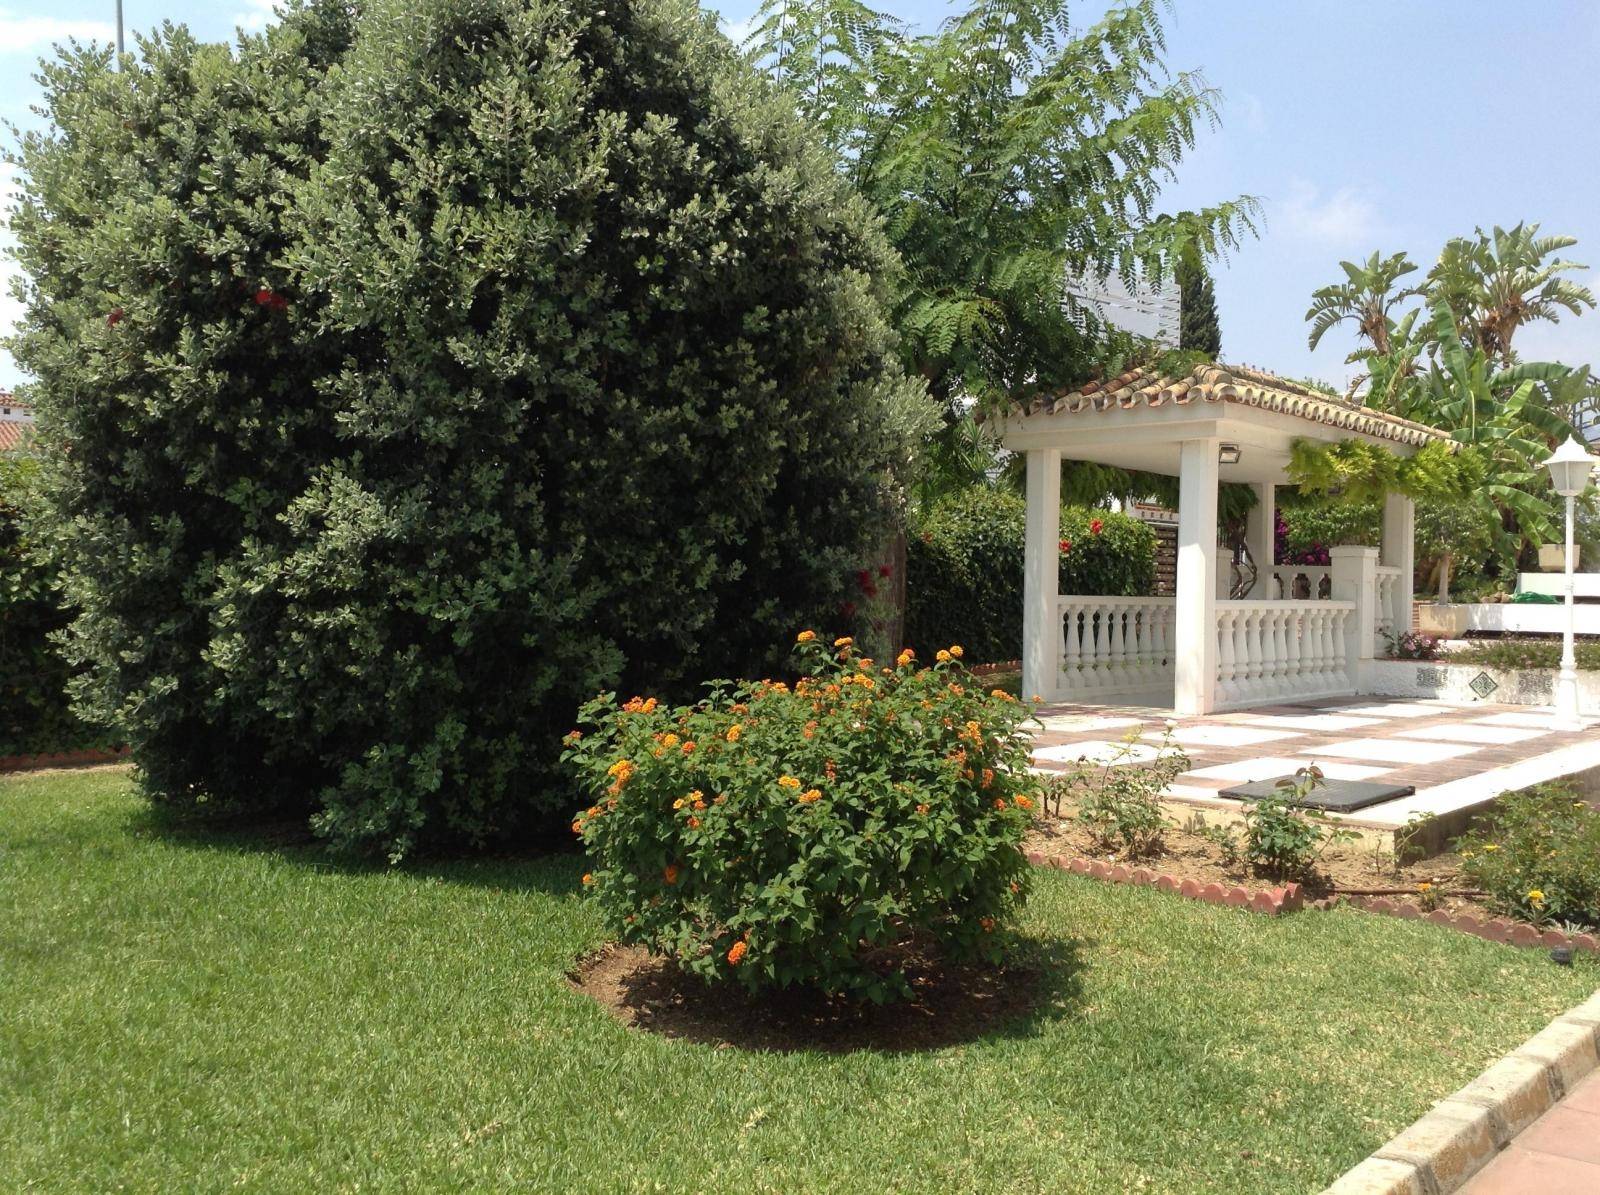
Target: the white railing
pixel 1290 649
pixel 1388 620
pixel 1115 645
pixel 1291 582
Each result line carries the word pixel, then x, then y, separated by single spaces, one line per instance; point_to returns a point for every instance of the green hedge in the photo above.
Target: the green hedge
pixel 34 711
pixel 964 569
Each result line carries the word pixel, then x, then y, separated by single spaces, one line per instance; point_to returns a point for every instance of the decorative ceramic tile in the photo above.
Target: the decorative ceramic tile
pixel 1307 723
pixel 1483 684
pixel 1473 732
pixel 1097 752
pixel 1246 770
pixel 1223 736
pixel 1395 750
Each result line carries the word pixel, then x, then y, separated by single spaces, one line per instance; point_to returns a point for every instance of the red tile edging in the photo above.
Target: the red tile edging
pixel 1493 929
pixel 1287 899
pixel 60 759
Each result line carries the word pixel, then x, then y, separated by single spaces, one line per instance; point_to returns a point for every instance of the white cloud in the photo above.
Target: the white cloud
pixel 1251 111
pixel 33 35
pixel 737 31
pixel 1346 218
pixel 256 15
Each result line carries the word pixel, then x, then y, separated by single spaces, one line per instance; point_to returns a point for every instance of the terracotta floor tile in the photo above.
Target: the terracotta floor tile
pixel 1586 1095
pixel 1568 1132
pixel 1519 1171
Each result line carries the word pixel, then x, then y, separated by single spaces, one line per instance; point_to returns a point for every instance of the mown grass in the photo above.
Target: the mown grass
pixel 182 1013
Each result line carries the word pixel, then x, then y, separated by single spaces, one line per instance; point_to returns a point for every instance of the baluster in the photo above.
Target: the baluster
pixel 1294 628
pixel 1241 654
pixel 1226 690
pixel 1140 617
pixel 1341 675
pixel 1280 651
pixel 1070 655
pixel 1094 643
pixel 1117 662
pixel 1318 677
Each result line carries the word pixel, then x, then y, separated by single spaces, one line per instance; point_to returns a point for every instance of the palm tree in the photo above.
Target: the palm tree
pixel 1365 298
pixel 1496 284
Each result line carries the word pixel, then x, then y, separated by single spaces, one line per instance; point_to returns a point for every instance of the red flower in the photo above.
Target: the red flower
pixel 1095 526
pixel 271 300
pixel 114 318
pixel 848 610
pixel 870 589
pixel 884 570
pixel 1065 545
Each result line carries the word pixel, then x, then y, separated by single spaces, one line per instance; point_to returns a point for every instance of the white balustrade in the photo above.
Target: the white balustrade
pixel 1282 649
pixel 1299 582
pixel 1115 645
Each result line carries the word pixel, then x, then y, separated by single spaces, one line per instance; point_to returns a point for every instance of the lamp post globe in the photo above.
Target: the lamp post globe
pixel 1570 468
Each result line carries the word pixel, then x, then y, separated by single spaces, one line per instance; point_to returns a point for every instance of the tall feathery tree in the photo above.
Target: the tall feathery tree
pixel 1198 329
pixel 1008 153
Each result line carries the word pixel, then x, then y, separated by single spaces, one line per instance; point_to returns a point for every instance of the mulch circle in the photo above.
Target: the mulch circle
pixel 952 1003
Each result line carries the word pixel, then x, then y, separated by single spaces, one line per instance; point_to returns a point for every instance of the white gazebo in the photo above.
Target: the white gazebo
pixel 1300 632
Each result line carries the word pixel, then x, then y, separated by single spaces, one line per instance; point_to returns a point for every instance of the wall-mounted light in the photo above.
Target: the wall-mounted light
pixel 1228 454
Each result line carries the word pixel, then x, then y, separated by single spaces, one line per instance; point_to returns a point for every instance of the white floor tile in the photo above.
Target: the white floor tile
pixel 1396 750
pixel 1223 736
pixel 1473 732
pixel 1398 709
pixel 1098 753
pixel 1245 770
pixel 1534 719
pixel 1078 723
pixel 1314 722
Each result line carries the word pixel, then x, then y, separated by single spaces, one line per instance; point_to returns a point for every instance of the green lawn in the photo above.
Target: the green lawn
pixel 197 1015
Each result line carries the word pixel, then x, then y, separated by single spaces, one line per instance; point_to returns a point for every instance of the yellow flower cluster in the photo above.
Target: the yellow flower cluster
pixel 788 782
pixel 805 636
pixel 811 794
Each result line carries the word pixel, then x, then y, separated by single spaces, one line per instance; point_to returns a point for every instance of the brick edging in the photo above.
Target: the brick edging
pixel 61 759
pixel 1493 929
pixel 1439 1152
pixel 1287 899
pixel 991 669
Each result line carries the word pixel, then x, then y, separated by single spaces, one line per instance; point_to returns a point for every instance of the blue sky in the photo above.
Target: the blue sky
pixel 1361 125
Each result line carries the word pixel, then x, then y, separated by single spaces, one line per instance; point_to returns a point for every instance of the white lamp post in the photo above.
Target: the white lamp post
pixel 1570 468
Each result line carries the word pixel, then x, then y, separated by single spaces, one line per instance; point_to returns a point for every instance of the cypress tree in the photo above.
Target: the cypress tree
pixel 1198 328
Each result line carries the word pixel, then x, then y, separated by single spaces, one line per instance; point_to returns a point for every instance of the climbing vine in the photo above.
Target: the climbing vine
pixel 1360 471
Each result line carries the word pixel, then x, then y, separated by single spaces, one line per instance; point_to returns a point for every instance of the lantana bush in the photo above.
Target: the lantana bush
pixel 778 835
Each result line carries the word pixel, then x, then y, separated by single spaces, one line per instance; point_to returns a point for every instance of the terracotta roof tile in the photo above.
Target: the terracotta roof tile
pixel 1232 384
pixel 13 434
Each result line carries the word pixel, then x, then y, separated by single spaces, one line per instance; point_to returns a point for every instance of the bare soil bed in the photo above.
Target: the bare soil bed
pixel 952 1003
pixel 1361 867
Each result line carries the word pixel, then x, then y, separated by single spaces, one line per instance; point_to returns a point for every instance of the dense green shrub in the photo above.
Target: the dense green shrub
pixel 964 568
pixel 783 836
pixel 427 370
pixel 34 711
pixel 1537 855
pixel 1514 653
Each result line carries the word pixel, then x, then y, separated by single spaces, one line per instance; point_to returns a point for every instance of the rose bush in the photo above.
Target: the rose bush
pixel 783 835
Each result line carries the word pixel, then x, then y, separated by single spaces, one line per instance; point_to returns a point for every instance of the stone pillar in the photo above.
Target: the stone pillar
pixel 1041 576
pixel 1260 533
pixel 1354 578
pixel 1400 550
pixel 1195 687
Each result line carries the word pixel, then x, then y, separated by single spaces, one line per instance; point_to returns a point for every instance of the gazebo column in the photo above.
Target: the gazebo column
pixel 1260 532
pixel 1400 550
pixel 1195 642
pixel 1041 576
